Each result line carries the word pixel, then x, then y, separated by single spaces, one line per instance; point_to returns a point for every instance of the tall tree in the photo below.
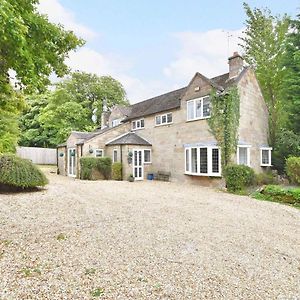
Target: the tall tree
pixel 32 47
pixel 52 116
pixel 291 82
pixel 264 46
pixel 91 90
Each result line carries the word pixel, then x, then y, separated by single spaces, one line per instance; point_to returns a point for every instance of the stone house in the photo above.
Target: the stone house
pixel 169 133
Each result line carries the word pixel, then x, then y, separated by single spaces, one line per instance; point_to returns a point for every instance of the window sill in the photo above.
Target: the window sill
pixel 137 129
pixel 147 163
pixel 197 119
pixel 156 125
pixel 266 165
pixel 204 175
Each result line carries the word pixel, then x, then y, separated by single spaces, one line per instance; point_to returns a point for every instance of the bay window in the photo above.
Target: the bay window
pixel 203 161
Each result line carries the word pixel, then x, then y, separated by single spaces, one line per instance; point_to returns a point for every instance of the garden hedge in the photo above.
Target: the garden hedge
pixel 101 164
pixel 16 172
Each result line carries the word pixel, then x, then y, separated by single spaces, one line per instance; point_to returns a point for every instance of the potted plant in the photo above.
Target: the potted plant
pixel 130 178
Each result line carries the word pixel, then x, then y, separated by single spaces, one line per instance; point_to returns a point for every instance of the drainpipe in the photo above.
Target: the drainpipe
pixel 56 160
pixel 121 153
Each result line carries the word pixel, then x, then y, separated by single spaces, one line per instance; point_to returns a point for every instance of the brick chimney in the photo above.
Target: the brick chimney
pixel 236 63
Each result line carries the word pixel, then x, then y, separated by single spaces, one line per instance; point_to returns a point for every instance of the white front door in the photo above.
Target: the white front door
pixel 72 162
pixel 138 168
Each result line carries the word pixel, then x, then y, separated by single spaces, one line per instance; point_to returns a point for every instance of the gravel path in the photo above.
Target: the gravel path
pixel 145 240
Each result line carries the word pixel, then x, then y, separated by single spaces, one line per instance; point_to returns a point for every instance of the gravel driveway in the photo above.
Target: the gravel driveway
pixel 145 240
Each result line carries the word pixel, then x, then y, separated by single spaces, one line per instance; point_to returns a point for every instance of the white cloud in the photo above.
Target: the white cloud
pixel 204 52
pixel 59 15
pixel 89 60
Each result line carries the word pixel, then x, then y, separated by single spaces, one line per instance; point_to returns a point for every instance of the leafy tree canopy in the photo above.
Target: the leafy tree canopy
pixel 291 82
pixel 264 47
pixel 31 45
pixel 34 48
pixel 52 116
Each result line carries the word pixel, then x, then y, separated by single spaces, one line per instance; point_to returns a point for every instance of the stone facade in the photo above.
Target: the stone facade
pixel 168 141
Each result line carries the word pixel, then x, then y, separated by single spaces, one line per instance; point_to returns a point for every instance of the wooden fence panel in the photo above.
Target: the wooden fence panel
pixel 41 156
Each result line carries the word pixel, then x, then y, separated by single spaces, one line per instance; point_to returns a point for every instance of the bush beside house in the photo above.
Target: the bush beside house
pixel 116 171
pixel 238 177
pixel 293 169
pixel 18 173
pixel 90 166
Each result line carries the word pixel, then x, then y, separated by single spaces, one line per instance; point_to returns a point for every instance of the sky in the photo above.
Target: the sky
pixel 153 47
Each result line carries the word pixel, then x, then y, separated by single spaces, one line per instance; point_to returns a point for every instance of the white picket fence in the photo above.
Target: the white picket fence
pixel 41 156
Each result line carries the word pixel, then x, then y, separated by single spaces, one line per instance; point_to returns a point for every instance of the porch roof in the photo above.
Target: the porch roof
pixel 129 138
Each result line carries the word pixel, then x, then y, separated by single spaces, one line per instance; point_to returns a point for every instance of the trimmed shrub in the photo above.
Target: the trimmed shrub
pixel 266 178
pixel 279 194
pixel 116 171
pixel 238 177
pixel 16 172
pixel 293 169
pixel 89 164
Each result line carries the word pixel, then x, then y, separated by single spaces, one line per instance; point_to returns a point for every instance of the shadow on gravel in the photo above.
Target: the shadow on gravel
pixel 10 189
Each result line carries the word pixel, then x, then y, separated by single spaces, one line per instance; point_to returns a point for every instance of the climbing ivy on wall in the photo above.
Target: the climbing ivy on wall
pixel 224 121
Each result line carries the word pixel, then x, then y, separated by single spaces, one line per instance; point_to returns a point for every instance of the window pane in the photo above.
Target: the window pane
pixel 190 109
pixel 265 157
pixel 198 108
pixel 115 158
pixel 194 160
pixel 169 118
pixel 187 160
pixel 215 160
pixel 157 120
pixel 206 107
pixel 164 119
pixel 147 156
pixel 142 124
pixel 99 153
pixel 203 160
pixel 242 156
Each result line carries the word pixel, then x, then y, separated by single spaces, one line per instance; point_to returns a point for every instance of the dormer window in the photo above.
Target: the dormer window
pixel 138 124
pixel 116 122
pixel 198 109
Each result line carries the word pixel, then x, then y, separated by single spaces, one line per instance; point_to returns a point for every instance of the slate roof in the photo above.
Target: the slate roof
pixel 83 135
pixel 156 104
pixel 129 138
pixel 172 99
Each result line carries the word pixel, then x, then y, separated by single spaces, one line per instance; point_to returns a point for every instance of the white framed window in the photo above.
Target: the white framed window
pixel 99 153
pixel 203 161
pixel 138 124
pixel 116 122
pixel 198 108
pixel 163 119
pixel 265 156
pixel 243 155
pixel 115 155
pixel 147 156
